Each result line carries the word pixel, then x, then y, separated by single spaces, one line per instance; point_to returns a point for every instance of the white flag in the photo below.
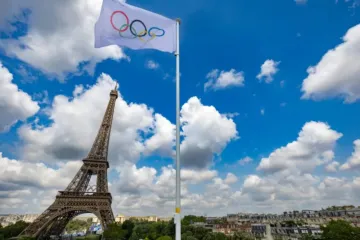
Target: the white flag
pixel 125 25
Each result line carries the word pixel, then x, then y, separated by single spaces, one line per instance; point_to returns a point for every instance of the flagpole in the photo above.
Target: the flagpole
pixel 177 204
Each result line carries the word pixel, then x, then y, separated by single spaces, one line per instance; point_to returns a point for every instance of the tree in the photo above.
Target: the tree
pixel 77 225
pixel 241 236
pixel 197 232
pixel 187 220
pixel 128 225
pixel 27 238
pixel 114 231
pixel 215 236
pixel 190 238
pixel 340 230
pixel 140 231
pixel 164 238
pixel 13 230
pixel 307 237
pixel 289 223
pixel 89 221
pixel 170 229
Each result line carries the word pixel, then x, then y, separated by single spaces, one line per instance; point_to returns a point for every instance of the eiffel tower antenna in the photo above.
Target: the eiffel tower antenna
pixel 79 197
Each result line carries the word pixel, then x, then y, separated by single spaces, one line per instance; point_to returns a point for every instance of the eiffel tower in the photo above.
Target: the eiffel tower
pixel 79 197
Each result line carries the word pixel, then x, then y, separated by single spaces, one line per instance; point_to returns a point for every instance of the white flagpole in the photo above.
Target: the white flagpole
pixel 177 204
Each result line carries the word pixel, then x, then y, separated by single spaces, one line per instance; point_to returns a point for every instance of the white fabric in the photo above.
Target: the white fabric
pixel 113 28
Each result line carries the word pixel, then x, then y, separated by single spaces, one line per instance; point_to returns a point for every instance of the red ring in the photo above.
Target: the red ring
pixel 112 23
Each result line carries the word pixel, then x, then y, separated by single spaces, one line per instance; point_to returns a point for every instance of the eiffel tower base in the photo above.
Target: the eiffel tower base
pixel 67 206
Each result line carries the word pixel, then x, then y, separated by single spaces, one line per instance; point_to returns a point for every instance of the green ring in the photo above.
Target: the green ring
pixel 124 27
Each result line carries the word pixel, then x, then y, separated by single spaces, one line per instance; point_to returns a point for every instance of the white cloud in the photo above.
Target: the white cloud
pixel 206 132
pixel 79 89
pixel 337 73
pixel 133 179
pixel 262 111
pixel 220 80
pixel 354 161
pixel 257 188
pixel 313 147
pixel 15 104
pixel 136 129
pixel 68 136
pixel 245 161
pixel 230 178
pixel 217 185
pixel 197 176
pixel 163 139
pixel 60 36
pixel 155 194
pixel 332 167
pixel 268 69
pixel 24 184
pixel 231 115
pixel 142 190
pixel 14 172
pixel 42 97
pixel 152 64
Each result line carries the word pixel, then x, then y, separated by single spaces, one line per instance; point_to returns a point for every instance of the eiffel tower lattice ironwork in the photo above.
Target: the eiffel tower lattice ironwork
pixel 79 197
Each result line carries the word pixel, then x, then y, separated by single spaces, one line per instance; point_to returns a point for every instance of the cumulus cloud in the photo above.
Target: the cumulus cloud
pixel 15 104
pixel 154 193
pixel 245 161
pixel 68 136
pixel 268 69
pixel 206 132
pixel 220 80
pixel 354 161
pixel 59 38
pixel 332 167
pixel 337 73
pixel 133 179
pixel 163 138
pixel 23 183
pixel 289 181
pixel 136 129
pixel 197 176
pixel 230 178
pixel 14 172
pixel 313 147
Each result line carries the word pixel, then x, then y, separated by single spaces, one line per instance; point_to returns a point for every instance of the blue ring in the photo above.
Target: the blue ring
pixel 163 31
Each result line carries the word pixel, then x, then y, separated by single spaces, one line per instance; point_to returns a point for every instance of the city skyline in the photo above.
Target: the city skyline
pixel 269 110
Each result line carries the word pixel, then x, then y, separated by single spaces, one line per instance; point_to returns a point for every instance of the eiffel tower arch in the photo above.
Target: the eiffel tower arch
pixel 79 197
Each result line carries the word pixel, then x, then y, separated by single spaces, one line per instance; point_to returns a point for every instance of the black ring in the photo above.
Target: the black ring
pixel 134 33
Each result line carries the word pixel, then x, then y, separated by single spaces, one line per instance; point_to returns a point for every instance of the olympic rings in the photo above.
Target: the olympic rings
pixel 153 32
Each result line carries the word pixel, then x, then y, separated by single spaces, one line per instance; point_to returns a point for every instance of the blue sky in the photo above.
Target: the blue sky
pixel 47 51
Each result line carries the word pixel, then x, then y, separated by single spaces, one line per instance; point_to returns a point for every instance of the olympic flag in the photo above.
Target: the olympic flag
pixel 129 26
